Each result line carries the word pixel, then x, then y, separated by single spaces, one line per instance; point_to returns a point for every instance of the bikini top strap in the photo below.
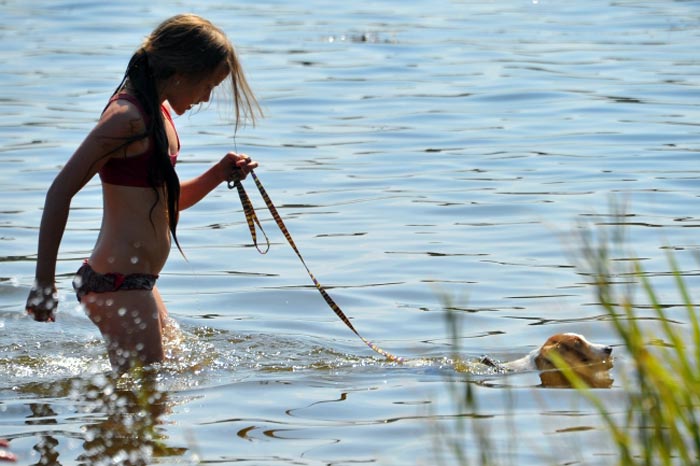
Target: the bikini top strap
pixel 129 98
pixel 144 115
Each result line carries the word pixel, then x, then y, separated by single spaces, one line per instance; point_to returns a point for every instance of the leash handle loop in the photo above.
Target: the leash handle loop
pixel 250 216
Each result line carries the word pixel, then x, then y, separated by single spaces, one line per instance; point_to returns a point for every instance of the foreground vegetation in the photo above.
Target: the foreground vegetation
pixel 659 423
pixel 661 426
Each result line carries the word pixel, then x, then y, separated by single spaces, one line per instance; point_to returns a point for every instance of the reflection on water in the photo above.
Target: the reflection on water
pixel 129 433
pixel 118 422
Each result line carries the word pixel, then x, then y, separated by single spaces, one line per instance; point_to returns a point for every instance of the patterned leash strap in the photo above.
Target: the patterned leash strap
pixel 252 220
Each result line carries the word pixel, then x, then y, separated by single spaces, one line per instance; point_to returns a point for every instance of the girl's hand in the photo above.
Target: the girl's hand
pixel 239 165
pixel 42 303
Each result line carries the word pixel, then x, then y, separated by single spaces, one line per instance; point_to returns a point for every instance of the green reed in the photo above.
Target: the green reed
pixel 470 419
pixel 660 425
pixel 658 422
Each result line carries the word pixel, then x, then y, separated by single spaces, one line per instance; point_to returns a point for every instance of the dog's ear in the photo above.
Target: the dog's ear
pixel 554 379
pixel 573 343
pixel 542 361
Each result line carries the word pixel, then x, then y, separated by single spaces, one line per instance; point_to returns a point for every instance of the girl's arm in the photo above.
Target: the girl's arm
pixel 116 125
pixel 194 190
pixel 42 300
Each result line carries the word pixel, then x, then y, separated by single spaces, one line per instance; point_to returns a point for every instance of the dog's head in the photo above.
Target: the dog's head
pixel 591 362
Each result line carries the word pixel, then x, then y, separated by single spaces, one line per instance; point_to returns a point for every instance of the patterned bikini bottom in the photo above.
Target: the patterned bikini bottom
pixel 88 281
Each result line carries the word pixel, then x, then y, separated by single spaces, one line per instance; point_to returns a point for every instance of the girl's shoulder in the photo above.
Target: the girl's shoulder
pixel 124 115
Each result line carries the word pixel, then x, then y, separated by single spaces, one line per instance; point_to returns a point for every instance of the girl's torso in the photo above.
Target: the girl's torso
pixel 134 236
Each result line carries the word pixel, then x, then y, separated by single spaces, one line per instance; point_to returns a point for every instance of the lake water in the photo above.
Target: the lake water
pixel 428 158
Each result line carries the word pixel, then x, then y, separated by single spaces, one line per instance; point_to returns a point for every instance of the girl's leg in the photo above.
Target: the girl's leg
pixel 131 323
pixel 163 317
pixel 171 335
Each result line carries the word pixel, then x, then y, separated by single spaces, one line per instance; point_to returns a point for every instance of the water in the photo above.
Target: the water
pixel 436 149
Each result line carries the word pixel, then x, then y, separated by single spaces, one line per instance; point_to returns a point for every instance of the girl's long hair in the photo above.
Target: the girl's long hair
pixel 189 46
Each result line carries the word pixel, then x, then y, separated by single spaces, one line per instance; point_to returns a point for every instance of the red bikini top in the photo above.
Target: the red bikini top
pixel 133 170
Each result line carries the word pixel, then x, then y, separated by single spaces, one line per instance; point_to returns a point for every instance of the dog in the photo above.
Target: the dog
pixel 589 361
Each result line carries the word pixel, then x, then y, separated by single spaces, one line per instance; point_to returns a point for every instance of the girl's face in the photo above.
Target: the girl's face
pixel 186 92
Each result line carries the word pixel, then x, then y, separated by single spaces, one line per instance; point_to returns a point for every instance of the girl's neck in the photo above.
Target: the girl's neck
pixel 128 88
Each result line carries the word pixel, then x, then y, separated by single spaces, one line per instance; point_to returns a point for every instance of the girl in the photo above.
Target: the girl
pixel 133 148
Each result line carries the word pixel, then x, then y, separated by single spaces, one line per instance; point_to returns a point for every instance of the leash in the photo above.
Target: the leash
pixel 252 220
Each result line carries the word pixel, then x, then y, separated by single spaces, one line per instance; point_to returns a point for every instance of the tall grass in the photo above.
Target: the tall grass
pixel 661 425
pixel 658 423
pixel 450 437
